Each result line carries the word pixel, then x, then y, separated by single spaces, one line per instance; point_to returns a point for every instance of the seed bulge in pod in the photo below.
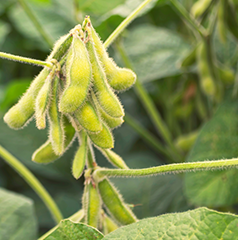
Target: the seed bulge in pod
pixel 18 116
pixel 88 118
pixel 115 203
pixel 78 77
pixel 103 139
pixel 119 79
pixel 91 205
pixel 56 133
pixel 46 154
pixel 80 156
pixel 106 98
pixel 42 101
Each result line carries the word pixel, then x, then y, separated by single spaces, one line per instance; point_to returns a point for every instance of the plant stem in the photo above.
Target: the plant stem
pixel 126 22
pixel 147 136
pixel 33 182
pixel 170 168
pixel 25 60
pixel 75 218
pixel 188 18
pixel 150 107
pixel 36 23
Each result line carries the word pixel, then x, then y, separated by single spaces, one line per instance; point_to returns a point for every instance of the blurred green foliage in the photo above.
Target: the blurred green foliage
pixel 156 43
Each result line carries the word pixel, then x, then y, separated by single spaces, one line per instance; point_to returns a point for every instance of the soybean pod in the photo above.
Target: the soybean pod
pixel 115 203
pixel 200 7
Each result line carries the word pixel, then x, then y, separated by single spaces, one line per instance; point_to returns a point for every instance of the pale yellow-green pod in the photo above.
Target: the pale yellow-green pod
pixel 200 7
pixel 43 100
pixel 75 123
pixel 80 156
pixel 119 79
pixel 114 158
pixel 20 114
pixel 91 160
pixel 185 142
pixel 105 96
pixel 78 77
pixel 91 205
pixel 108 224
pixel 46 154
pixel 56 133
pixel 103 139
pixel 115 203
pixel 88 117
pixel 226 75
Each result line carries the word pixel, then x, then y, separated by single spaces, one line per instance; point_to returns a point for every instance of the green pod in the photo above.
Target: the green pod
pixel 103 139
pixel 120 79
pixel 114 158
pixel 231 19
pixel 221 21
pixel 110 121
pixel 115 203
pixel 78 77
pixel 80 156
pixel 190 58
pixel 46 154
pixel 206 79
pixel 200 7
pixel 20 114
pixel 91 161
pixel 56 133
pixel 105 96
pixel 43 100
pixel 185 142
pixel 108 225
pixel 91 205
pixel 88 118
pixel 226 75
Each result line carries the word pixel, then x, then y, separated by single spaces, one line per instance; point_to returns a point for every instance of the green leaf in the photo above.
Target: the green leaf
pixel 154 52
pixel 17 217
pixel 199 224
pixel 4 30
pixel 218 139
pixel 68 230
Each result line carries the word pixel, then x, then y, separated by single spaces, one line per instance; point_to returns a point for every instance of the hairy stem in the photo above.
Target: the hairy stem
pixel 36 23
pixel 25 60
pixel 170 168
pixel 126 22
pixel 148 137
pixel 33 182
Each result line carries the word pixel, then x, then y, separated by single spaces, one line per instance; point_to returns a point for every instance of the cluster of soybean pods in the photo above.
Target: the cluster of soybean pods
pixel 77 97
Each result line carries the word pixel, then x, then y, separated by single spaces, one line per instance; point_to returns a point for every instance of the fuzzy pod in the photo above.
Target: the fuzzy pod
pixel 60 47
pixel 115 203
pixel 103 139
pixel 108 225
pixel 80 156
pixel 226 75
pixel 206 79
pixel 56 133
pixel 114 158
pixel 20 114
pixel 200 7
pixel 43 100
pixel 91 205
pixel 91 161
pixel 120 79
pixel 78 77
pixel 88 118
pixel 46 154
pixel 105 96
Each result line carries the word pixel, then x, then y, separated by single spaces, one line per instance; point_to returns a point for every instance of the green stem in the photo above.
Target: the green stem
pixel 75 218
pixel 36 23
pixel 126 22
pixel 188 18
pixel 33 182
pixel 147 136
pixel 170 168
pixel 25 60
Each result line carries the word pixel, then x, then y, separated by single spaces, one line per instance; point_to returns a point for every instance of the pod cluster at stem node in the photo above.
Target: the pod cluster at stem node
pixel 75 98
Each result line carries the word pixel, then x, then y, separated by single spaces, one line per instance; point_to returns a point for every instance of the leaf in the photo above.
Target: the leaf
pixel 199 224
pixel 218 139
pixel 68 230
pixel 4 30
pixel 17 217
pixel 154 52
